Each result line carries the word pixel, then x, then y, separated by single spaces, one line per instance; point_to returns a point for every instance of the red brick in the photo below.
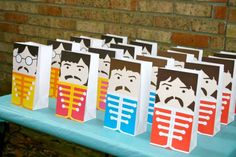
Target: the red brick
pixel 7 27
pixel 124 4
pixel 232 15
pixel 220 12
pixel 221 28
pixel 16 17
pixel 194 40
pixel 49 10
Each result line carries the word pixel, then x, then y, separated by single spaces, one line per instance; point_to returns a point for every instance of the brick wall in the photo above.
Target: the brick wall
pixel 207 24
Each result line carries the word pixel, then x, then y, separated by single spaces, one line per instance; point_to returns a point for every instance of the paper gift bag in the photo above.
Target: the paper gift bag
pixel 196 52
pixel 130 51
pixel 180 58
pixel 113 39
pixel 148 48
pixel 175 118
pixel 230 55
pixel 157 62
pixel 77 86
pixel 105 56
pixel 86 42
pixel 211 96
pixel 228 96
pixel 31 75
pixel 127 96
pixel 58 45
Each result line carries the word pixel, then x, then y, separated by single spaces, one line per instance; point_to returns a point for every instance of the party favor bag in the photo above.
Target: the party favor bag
pixel 113 39
pixel 157 62
pixel 175 117
pixel 127 96
pixel 77 86
pixel 228 96
pixel 130 51
pixel 105 55
pixel 180 58
pixel 31 75
pixel 58 46
pixel 230 55
pixel 148 48
pixel 211 96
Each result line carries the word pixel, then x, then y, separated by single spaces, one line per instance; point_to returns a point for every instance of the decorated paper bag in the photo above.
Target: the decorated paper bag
pixel 130 51
pixel 31 75
pixel 127 96
pixel 175 117
pixel 211 96
pixel 105 56
pixel 228 96
pixel 148 48
pixel 196 52
pixel 86 42
pixel 77 86
pixel 113 39
pixel 230 55
pixel 58 46
pixel 180 58
pixel 157 62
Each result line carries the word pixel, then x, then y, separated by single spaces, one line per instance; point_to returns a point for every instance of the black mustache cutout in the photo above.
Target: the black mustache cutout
pixel 21 67
pixel 152 83
pixel 121 87
pixel 70 77
pixel 103 72
pixel 177 98
pixel 54 62
pixel 204 91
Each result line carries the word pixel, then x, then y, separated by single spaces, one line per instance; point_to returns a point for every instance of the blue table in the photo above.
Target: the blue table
pixel 92 134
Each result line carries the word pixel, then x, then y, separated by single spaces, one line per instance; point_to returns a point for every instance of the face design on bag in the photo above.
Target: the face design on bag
pixel 173 92
pixel 75 71
pixel 56 56
pixel 209 86
pixel 108 40
pixel 127 55
pixel 104 66
pixel 125 82
pixel 154 77
pixel 227 81
pixel 25 59
pixel 84 45
pixel 145 51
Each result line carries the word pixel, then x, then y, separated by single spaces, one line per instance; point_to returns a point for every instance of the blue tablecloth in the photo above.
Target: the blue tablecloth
pixel 92 134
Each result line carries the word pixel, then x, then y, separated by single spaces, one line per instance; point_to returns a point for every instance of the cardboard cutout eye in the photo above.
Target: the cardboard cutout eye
pixel 79 69
pixel 167 88
pixel 18 58
pixel 28 60
pixel 206 81
pixel 183 91
pixel 118 77
pixel 106 64
pixel 131 80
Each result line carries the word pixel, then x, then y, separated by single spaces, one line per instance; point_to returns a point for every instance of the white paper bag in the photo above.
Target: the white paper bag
pixel 31 75
pixel 175 118
pixel 77 86
pixel 127 96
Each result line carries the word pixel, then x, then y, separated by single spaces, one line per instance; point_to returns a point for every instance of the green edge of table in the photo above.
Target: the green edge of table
pixel 92 134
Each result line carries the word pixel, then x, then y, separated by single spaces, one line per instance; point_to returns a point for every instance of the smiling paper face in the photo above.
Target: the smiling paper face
pixel 123 80
pixel 25 59
pixel 176 93
pixel 74 70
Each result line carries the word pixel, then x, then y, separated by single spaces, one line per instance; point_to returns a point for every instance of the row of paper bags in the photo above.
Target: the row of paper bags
pixel 179 92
